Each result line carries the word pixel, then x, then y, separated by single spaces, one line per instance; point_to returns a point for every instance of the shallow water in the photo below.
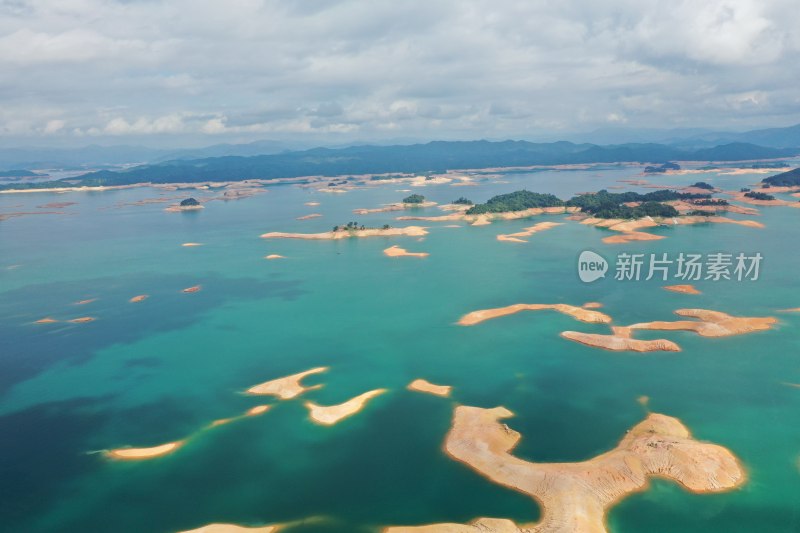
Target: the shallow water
pixel 156 371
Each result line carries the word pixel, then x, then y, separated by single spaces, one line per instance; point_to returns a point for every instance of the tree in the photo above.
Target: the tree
pixel 414 199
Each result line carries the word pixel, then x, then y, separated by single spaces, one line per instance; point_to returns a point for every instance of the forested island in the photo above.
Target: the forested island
pixel 785 179
pixel 602 204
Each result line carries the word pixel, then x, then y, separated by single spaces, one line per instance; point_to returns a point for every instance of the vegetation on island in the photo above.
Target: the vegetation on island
pixel 515 201
pixel 703 185
pixel 414 199
pixel 661 168
pixel 700 213
pixel 463 201
pixel 354 226
pixel 784 179
pixel 759 196
pixel 189 202
pixel 710 201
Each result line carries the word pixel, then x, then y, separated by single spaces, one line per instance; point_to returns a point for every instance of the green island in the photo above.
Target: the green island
pixel 759 196
pixel 601 204
pixel 785 179
pixel 414 199
pixel 463 201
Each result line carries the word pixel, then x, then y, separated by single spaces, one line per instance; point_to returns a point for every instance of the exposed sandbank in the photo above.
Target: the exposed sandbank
pixel 578 313
pixel 82 320
pixel 309 217
pixel 195 288
pixel 396 251
pixel 409 231
pixel 139 298
pixel 621 342
pixel 422 385
pixel 711 323
pixel 527 232
pixel 399 206
pixel 331 414
pixel 144 453
pixel 181 208
pixel 479 525
pixel 592 305
pixel 629 229
pixel 233 528
pixel 192 244
pixel 274 256
pixel 685 289
pixel 46 320
pixel 575 497
pixel 312 204
pixel 84 302
pixel 287 387
pixel 487 218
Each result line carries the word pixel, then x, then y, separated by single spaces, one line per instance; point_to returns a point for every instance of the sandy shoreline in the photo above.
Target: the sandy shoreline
pixel 408 231
pixel 396 251
pixel 423 385
pixel 684 289
pixel 329 415
pixel 287 387
pixel 620 341
pixel 233 528
pixel 578 313
pixel 399 206
pixel 575 497
pixel 527 232
pixel 144 453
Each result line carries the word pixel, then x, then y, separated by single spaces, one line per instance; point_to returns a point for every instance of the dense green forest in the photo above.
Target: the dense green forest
pixel 438 156
pixel 515 201
pixel 414 199
pixel 785 179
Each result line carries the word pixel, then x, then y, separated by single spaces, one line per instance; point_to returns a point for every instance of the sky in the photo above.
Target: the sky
pixel 195 72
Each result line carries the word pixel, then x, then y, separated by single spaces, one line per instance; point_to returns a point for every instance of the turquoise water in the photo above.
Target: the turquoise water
pixel 157 371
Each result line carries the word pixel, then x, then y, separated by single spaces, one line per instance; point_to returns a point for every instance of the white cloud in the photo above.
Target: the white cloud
pixel 189 69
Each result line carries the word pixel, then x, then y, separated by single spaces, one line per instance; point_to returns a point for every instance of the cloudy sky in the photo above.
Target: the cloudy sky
pixel 190 72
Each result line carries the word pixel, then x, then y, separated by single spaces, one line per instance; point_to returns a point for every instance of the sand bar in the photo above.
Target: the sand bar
pixel 233 528
pixel 84 302
pixel 396 251
pixel 191 244
pixel 274 256
pixel 331 414
pixel 527 232
pixel 422 385
pixel 133 454
pixel 480 525
pixel 576 496
pixel 287 387
pixel 309 217
pixel 409 231
pixel 312 204
pixel 46 320
pixel 399 206
pixel 139 298
pixel 192 289
pixel 82 320
pixel 621 342
pixel 684 289
pixel 711 323
pixel 592 305
pixel 578 313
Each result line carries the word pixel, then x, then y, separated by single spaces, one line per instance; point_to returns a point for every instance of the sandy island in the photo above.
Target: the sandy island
pixel 479 525
pixel 82 320
pixel 629 230
pixel 192 289
pixel 575 497
pixel 133 454
pixel 312 204
pixel 328 415
pixel 621 341
pixel 274 256
pixel 399 206
pixel 287 387
pixel 233 528
pixel 191 244
pixel 684 289
pixel 578 313
pixel 409 231
pixel 46 320
pixel 527 232
pixel 487 218
pixel 711 323
pixel 84 302
pixel 396 251
pixel 139 298
pixel 309 217
pixel 423 385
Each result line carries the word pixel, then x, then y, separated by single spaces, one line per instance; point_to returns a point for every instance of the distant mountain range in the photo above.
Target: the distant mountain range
pixel 438 156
